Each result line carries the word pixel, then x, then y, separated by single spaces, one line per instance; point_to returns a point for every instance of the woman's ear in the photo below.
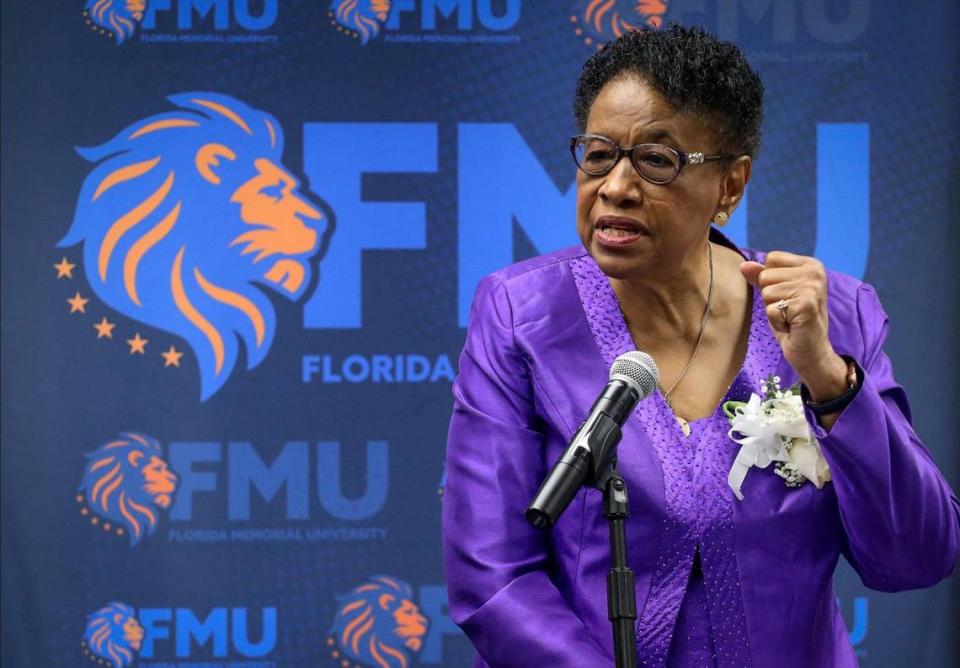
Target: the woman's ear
pixel 734 183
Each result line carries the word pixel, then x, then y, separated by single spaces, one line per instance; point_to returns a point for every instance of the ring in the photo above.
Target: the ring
pixel 782 307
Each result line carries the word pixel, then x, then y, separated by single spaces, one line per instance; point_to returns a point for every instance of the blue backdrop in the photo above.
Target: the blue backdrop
pixel 231 320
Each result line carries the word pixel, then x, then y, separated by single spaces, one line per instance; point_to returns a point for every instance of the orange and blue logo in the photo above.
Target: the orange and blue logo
pixel 115 18
pixel 125 484
pixel 116 635
pixel 113 635
pixel 362 19
pixel 187 219
pixel 598 21
pixel 183 21
pixel 377 625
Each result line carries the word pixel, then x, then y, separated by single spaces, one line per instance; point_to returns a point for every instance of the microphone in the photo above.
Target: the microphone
pixel 633 377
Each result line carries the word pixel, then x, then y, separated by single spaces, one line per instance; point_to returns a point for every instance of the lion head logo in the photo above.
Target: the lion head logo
pixel 360 18
pixel 124 483
pixel 187 216
pixel 602 20
pixel 113 635
pixel 377 624
pixel 116 17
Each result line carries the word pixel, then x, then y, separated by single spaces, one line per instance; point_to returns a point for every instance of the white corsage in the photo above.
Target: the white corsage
pixel 774 429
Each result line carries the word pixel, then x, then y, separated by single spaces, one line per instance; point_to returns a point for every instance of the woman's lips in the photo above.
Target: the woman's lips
pixel 616 232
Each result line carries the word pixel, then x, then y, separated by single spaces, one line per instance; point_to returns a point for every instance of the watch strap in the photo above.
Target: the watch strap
pixel 854 383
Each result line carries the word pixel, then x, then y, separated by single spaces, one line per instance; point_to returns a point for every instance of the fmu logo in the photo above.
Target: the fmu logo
pixel 117 634
pixel 241 490
pixel 377 625
pixel 120 19
pixel 125 484
pixel 186 219
pixel 598 21
pixel 418 21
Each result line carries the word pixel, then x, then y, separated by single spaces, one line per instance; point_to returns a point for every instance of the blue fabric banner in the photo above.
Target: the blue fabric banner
pixel 239 243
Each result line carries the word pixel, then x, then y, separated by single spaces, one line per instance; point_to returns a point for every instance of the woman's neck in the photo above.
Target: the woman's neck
pixel 669 303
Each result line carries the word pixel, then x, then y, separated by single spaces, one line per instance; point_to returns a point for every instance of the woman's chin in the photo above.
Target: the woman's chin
pixel 619 263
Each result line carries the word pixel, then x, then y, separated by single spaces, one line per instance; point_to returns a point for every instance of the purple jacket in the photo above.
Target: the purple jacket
pixel 541 339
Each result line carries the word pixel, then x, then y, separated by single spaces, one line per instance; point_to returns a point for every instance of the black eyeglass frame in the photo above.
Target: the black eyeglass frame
pixel 683 159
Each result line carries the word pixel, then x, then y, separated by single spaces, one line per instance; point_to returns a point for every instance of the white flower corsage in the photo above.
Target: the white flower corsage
pixel 774 429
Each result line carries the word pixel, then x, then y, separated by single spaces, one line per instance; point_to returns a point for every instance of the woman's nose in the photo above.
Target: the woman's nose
pixel 621 185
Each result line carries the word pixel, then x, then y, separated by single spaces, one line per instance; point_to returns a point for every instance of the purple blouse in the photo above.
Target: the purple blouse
pixel 719 582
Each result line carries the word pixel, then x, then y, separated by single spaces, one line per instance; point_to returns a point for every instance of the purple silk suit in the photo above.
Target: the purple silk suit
pixel 541 339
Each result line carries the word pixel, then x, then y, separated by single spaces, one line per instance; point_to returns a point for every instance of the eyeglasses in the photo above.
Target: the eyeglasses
pixel 596 155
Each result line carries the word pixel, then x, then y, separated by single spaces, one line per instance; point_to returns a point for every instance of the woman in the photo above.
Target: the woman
pixel 720 581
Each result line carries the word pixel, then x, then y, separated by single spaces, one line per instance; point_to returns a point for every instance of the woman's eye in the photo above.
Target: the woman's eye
pixel 656 160
pixel 599 155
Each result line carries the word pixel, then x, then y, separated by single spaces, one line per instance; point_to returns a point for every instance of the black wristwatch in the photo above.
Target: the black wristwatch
pixel 854 383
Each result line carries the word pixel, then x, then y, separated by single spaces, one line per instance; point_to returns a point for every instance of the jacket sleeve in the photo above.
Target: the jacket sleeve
pixel 902 521
pixel 500 591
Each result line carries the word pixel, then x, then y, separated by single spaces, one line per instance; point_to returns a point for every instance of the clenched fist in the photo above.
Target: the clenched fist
pixel 794 289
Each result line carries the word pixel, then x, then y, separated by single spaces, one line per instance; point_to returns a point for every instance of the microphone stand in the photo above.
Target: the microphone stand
pixel 591 460
pixel 595 459
pixel 621 593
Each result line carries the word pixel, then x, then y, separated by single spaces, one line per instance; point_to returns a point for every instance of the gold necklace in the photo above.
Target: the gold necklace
pixel 684 425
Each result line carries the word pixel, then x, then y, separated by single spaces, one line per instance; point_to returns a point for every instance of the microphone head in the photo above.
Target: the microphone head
pixel 638 370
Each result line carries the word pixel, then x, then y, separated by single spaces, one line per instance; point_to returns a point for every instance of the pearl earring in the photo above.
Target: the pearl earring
pixel 721 218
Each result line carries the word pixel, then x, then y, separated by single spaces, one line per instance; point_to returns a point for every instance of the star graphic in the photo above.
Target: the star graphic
pixel 78 304
pixel 172 357
pixel 104 328
pixel 138 344
pixel 64 269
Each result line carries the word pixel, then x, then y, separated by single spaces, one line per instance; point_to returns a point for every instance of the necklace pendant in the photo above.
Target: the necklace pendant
pixel 684 425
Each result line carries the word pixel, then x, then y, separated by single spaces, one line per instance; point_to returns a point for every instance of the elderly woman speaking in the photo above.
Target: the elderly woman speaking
pixel 778 439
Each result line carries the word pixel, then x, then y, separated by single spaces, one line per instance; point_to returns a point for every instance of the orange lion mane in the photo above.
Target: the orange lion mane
pixel 609 19
pixel 189 219
pixel 113 635
pixel 124 482
pixel 377 624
